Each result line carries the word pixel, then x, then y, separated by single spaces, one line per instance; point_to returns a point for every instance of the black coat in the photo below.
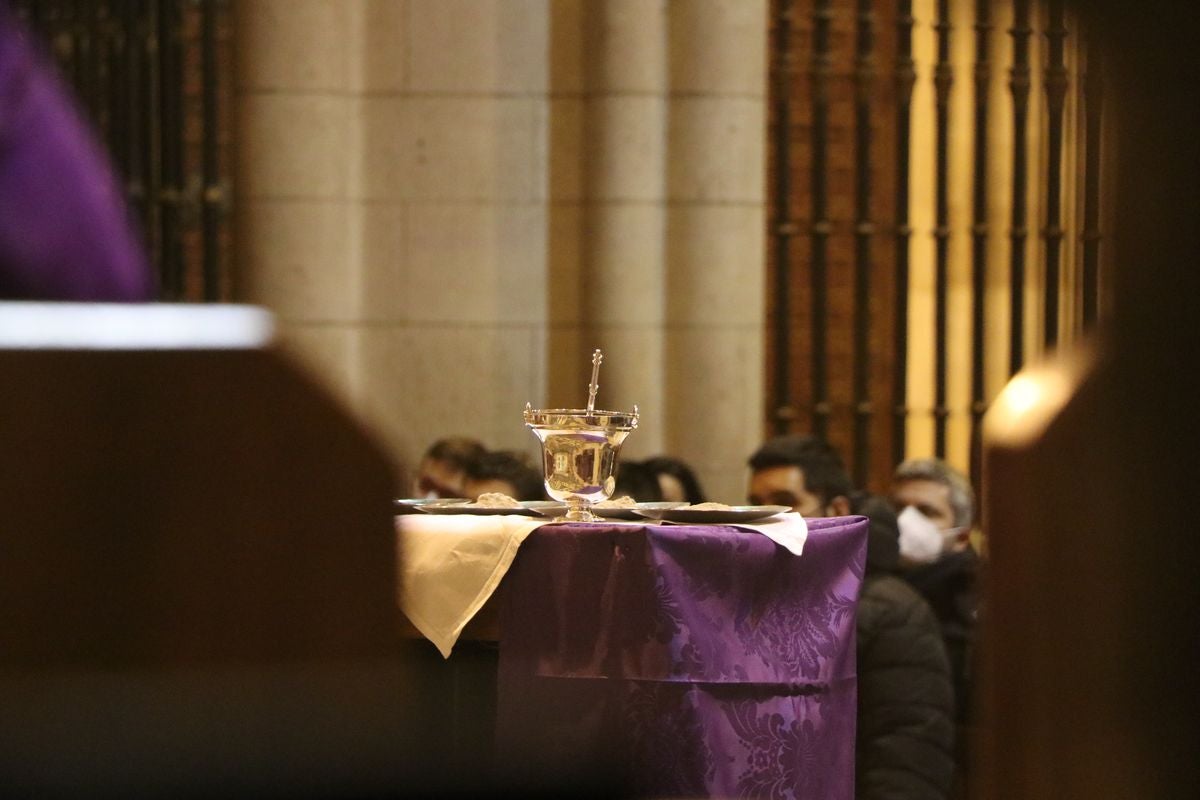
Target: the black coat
pixel 905 741
pixel 949 586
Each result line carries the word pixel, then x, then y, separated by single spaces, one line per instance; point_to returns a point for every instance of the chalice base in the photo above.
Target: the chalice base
pixel 578 510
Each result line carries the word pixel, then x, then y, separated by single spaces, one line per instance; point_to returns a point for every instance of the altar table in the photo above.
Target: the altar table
pixel 682 660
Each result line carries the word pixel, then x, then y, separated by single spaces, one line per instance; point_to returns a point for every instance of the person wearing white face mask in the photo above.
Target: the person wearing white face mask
pixel 936 506
pixel 922 541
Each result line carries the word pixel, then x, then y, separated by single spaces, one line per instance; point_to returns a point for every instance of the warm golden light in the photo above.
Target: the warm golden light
pixel 1022 394
pixel 1034 396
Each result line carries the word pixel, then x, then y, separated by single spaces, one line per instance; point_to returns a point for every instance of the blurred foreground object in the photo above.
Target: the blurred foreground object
pixel 197 579
pixel 64 227
pixel 1089 661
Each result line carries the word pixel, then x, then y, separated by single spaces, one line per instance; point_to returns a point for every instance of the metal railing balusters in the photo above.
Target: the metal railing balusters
pixel 943 79
pixel 864 230
pixel 1093 99
pixel 1019 84
pixel 783 229
pixel 821 226
pixel 979 230
pixel 213 200
pixel 1056 84
pixel 904 80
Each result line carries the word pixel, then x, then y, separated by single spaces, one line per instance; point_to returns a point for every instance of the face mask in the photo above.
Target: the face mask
pixel 921 541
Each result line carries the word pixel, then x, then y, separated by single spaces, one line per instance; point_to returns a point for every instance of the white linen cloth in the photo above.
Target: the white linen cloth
pixel 788 530
pixel 451 564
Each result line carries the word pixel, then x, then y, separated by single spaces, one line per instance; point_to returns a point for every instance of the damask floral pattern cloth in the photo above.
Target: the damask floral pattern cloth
pixel 683 660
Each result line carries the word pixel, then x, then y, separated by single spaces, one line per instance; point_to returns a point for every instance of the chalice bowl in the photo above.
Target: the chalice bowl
pixel 580 447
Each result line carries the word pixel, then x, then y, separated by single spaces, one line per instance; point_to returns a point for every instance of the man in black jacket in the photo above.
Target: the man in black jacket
pixel 904 747
pixel 936 507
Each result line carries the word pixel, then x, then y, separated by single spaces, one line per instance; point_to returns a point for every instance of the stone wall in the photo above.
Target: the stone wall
pixel 451 203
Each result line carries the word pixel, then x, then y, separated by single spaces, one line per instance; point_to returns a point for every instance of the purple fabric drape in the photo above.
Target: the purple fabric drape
pixel 64 230
pixel 682 660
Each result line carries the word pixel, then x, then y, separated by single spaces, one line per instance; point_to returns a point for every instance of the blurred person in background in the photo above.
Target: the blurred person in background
pixel 503 472
pixel 635 479
pixel 936 507
pixel 65 232
pixel 905 741
pixel 928 490
pixel 676 480
pixel 442 472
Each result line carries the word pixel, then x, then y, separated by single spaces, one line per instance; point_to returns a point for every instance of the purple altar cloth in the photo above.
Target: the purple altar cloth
pixel 64 229
pixel 683 660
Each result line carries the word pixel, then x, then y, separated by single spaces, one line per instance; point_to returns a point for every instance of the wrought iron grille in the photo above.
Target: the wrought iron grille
pixel 847 253
pixel 155 78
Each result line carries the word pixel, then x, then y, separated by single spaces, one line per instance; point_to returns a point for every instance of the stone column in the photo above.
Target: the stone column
pixel 392 204
pixel 450 203
pixel 297 221
pixel 715 301
pixel 623 223
pixel 455 222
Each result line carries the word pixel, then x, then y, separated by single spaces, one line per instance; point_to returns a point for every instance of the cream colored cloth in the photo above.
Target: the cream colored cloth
pixel 788 530
pixel 451 564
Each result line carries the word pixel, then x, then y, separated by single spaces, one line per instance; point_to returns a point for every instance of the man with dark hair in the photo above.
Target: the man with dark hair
pixel 503 472
pixel 802 472
pixel 904 745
